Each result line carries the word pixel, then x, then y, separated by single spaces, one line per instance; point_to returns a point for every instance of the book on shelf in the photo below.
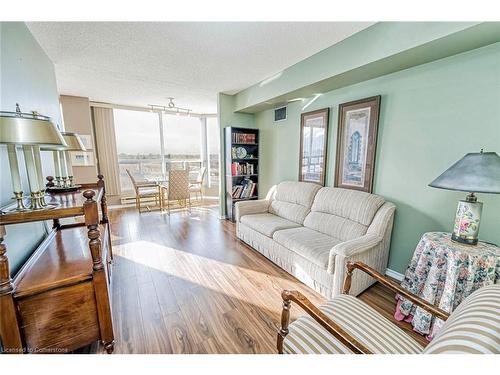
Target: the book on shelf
pixel 245 190
pixel 238 169
pixel 243 138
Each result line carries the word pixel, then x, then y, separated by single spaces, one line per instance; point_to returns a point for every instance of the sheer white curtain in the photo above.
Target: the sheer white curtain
pixel 106 148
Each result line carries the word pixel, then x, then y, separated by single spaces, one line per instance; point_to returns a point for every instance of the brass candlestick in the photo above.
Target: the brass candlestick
pixel 42 198
pixel 35 201
pixel 20 203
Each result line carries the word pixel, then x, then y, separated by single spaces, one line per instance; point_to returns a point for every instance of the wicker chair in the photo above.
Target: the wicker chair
pixel 196 187
pixel 177 189
pixel 346 325
pixel 144 190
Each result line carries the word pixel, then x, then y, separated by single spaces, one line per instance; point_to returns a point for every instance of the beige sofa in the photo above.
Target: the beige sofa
pixel 312 231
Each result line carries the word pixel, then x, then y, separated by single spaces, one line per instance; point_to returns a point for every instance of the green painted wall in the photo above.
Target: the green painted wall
pixel 227 117
pixel 28 78
pixel 431 115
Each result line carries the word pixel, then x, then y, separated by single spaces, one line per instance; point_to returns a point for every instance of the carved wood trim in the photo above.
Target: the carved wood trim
pixel 99 274
pixel 395 287
pixel 285 320
pixel 10 335
pixel 338 332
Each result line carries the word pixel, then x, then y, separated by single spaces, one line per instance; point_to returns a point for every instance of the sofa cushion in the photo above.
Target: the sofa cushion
pixel 293 200
pixel 342 213
pixel 354 205
pixel 312 245
pixel 335 226
pixel 474 327
pixel 361 321
pixel 267 223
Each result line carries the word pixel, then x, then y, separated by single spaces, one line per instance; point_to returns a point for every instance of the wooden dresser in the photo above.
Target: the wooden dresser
pixel 59 301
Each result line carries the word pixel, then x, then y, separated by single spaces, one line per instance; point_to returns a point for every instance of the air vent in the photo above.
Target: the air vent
pixel 280 114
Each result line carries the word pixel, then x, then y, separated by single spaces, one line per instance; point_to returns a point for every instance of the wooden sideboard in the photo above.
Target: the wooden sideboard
pixel 59 301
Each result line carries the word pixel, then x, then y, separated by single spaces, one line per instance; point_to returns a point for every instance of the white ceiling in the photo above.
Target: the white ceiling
pixel 141 63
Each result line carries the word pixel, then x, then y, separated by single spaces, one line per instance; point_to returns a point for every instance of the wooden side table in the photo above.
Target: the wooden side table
pixel 444 272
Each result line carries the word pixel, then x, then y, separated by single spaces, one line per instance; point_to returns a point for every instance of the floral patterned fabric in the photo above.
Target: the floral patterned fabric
pixel 444 272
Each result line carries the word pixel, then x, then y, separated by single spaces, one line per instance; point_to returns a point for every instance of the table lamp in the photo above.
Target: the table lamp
pixel 74 144
pixel 62 163
pixel 474 173
pixel 27 130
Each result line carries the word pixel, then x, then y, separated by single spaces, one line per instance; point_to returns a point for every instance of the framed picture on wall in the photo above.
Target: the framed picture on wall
pixel 82 158
pixel 356 144
pixel 313 141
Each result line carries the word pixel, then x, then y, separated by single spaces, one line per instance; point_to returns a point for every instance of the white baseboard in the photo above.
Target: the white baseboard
pixel 395 275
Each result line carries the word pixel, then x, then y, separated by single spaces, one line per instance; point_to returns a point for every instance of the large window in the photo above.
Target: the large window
pixel 138 145
pixel 182 137
pixel 186 144
pixel 213 155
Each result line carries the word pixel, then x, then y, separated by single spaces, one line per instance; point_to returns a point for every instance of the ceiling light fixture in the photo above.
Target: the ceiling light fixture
pixel 170 108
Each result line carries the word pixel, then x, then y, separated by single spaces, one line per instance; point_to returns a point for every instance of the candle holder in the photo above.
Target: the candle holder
pixel 42 198
pixel 35 202
pixel 61 185
pixel 19 197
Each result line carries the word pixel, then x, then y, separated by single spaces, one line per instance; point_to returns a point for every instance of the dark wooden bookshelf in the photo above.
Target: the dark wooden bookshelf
pixel 250 162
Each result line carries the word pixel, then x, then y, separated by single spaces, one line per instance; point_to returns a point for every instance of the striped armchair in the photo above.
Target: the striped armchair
pixel 346 325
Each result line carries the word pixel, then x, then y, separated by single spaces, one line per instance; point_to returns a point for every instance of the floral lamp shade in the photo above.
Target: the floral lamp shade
pixel 474 173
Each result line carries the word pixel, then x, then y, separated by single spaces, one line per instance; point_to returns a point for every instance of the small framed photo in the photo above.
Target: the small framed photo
pixel 82 158
pixel 356 144
pixel 87 141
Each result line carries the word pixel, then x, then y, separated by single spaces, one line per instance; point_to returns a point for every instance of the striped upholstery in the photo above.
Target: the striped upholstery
pixel 361 321
pixel 342 213
pixel 293 200
pixel 267 223
pixel 474 327
pixel 308 243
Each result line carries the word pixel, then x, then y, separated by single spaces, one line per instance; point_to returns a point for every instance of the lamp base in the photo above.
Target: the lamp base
pixel 466 241
pixel 467 220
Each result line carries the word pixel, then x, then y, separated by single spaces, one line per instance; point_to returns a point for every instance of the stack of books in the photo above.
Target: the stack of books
pixel 245 190
pixel 243 138
pixel 238 169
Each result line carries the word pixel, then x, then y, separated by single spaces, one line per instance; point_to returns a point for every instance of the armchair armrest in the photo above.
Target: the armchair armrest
pixel 395 287
pixel 315 313
pixel 251 207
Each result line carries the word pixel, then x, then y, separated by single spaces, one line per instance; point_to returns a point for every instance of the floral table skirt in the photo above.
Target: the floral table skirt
pixel 444 272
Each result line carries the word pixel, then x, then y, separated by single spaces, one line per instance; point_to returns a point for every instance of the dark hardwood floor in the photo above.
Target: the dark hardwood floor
pixel 186 284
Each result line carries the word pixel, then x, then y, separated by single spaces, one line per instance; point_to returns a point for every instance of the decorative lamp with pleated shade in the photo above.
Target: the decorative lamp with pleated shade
pixel 475 173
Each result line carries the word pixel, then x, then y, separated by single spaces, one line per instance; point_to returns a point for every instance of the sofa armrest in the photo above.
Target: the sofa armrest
pixel 251 207
pixel 372 249
pixel 357 245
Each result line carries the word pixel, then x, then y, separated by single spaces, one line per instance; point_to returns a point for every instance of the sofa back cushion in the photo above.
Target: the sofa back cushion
pixel 293 200
pixel 342 213
pixel 474 327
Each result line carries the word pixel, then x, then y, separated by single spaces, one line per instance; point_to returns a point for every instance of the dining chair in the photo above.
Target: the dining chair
pixel 144 190
pixel 196 187
pixel 176 189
